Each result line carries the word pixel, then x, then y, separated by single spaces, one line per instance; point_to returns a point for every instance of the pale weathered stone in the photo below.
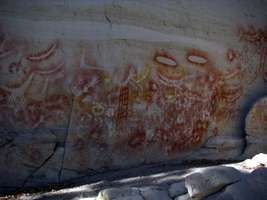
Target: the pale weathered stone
pixel 260 158
pixel 119 194
pixel 210 180
pixel 183 197
pixel 251 164
pixel 177 189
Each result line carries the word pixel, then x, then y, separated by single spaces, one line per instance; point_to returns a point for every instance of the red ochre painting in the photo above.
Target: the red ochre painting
pixel 169 103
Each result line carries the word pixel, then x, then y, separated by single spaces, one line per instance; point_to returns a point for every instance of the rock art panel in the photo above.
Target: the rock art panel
pixel 35 108
pixel 84 96
pixel 125 116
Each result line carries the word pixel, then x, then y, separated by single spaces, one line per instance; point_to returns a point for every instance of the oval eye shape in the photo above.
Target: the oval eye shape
pixel 197 59
pixel 164 58
pixel 165 61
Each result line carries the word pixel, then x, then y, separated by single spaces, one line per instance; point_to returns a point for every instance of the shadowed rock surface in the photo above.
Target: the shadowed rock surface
pixel 231 181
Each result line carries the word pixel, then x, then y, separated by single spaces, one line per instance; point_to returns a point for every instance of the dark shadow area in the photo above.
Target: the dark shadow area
pixel 162 180
pixel 99 180
pixel 153 175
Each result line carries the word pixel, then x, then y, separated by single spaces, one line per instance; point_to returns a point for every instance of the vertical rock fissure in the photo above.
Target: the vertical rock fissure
pixel 65 140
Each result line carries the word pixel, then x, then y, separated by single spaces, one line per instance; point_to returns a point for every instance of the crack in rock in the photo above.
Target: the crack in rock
pixel 40 166
pixel 65 141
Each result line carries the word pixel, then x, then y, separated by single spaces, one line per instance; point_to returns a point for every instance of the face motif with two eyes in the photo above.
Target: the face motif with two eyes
pixel 30 68
pixel 185 94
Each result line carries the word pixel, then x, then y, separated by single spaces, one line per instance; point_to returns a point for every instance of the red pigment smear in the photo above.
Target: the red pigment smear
pixel 137 139
pixel 231 55
pixel 43 55
pixel 123 103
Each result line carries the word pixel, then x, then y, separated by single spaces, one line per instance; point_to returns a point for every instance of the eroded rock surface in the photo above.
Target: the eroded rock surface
pixel 252 186
pixel 170 184
pixel 177 189
pixel 120 194
pixel 256 128
pixel 93 86
pixel 210 180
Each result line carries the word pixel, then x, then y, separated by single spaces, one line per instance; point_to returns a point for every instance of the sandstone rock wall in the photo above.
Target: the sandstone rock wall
pixel 88 86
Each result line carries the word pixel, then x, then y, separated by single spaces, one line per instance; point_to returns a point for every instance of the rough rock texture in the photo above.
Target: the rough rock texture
pixel 22 158
pixel 154 193
pixel 210 180
pixel 157 185
pixel 90 86
pixel 220 147
pixel 183 197
pixel 120 194
pixel 256 128
pixel 177 189
pixel 251 187
pixel 212 183
pixel 145 193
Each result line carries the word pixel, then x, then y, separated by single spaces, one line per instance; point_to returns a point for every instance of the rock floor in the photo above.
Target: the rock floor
pixel 166 182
